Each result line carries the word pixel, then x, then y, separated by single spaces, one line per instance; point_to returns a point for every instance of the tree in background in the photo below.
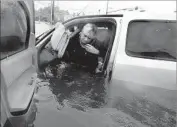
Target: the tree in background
pixel 44 14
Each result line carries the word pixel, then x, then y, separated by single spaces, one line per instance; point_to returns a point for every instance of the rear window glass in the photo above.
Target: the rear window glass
pixel 152 39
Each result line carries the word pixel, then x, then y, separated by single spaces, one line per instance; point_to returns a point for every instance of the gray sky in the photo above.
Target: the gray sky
pixel 92 7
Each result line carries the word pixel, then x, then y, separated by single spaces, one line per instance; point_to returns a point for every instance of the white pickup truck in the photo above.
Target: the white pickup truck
pixel 139 68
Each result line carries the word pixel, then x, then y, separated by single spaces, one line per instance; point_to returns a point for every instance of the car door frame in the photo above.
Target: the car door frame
pixel 76 21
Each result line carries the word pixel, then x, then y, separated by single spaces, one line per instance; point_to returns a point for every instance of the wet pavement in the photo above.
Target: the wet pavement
pixel 69 96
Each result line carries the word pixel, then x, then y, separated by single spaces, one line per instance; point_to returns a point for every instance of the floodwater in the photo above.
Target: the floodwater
pixel 74 87
pixel 70 96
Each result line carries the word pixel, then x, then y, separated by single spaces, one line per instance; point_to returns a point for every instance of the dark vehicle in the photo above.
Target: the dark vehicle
pixel 135 88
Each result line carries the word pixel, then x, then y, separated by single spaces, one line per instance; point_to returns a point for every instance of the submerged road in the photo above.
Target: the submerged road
pixel 72 97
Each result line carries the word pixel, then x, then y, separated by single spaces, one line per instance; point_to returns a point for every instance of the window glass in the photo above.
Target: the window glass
pixel 152 39
pixel 13 28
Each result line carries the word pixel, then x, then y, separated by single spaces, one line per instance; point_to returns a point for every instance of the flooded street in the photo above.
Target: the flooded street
pixel 74 87
pixel 88 63
pixel 70 96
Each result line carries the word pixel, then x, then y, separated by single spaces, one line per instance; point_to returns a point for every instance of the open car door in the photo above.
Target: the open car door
pixel 59 40
pixel 18 57
pixel 55 48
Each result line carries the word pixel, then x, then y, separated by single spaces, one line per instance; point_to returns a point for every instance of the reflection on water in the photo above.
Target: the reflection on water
pixel 71 95
pixel 75 87
pixel 71 92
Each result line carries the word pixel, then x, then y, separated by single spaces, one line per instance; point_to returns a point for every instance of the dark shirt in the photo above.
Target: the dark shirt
pixel 79 55
pixel 100 46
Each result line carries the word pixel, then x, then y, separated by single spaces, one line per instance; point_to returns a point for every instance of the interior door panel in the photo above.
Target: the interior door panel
pixel 19 69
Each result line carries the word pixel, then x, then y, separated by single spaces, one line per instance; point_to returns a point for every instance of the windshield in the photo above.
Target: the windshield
pixel 152 39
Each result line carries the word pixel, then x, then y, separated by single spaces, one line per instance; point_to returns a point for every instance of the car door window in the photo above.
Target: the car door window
pixel 152 40
pixel 13 28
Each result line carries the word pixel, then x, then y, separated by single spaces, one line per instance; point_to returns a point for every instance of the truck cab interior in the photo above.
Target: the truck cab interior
pixel 105 34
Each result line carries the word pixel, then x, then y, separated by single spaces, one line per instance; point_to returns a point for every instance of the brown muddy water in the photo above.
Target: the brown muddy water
pixel 70 96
